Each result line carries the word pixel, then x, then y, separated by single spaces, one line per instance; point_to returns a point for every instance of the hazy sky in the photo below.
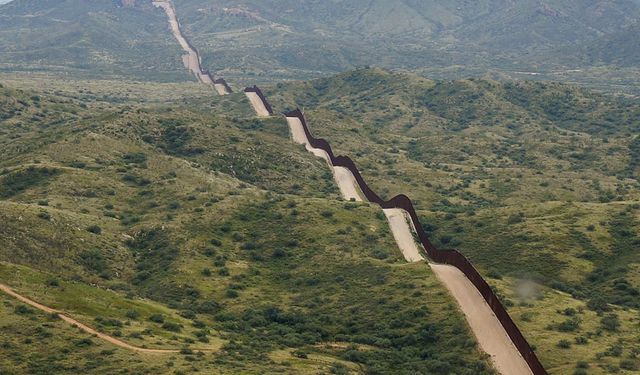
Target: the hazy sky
pixel 4 1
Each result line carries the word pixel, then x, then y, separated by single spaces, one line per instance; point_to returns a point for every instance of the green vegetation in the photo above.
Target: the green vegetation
pixel 532 181
pixel 178 227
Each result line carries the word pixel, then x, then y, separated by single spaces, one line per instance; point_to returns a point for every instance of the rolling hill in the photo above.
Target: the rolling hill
pixel 198 228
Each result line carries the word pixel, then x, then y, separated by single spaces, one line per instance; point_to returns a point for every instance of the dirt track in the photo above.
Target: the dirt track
pixel 491 336
pixel 220 89
pixel 191 59
pixel 83 327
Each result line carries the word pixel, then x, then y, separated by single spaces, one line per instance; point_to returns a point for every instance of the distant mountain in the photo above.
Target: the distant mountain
pixel 269 40
pixel 294 39
pixel 107 37
pixel 621 48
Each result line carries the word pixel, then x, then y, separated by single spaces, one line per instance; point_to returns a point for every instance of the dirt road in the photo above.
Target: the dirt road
pixel 257 104
pixel 486 327
pixel 344 178
pixel 191 59
pixel 6 289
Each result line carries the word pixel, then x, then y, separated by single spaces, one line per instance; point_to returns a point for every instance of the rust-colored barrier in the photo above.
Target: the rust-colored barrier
pixel 256 89
pixel 451 257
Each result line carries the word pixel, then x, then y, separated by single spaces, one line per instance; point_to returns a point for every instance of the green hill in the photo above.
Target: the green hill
pixel 178 226
pixel 537 183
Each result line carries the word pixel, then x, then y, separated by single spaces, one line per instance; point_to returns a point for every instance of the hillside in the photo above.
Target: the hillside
pixel 538 184
pixel 186 227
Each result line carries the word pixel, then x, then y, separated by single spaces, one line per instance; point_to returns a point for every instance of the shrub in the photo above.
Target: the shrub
pixel 132 314
pixel 569 325
pixel 581 340
pixel 83 343
pixel 134 158
pixel 300 354
pixel 629 364
pixel 610 322
pixel 93 261
pixel 326 214
pixel 17 182
pixel 157 318
pixel 22 310
pixel 515 219
pixel 564 344
pixel 598 304
pixel 172 327
pixel 231 293
pixel 94 229
pixel 494 274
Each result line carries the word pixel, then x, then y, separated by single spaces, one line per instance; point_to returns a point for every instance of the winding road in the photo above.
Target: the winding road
pixel 6 289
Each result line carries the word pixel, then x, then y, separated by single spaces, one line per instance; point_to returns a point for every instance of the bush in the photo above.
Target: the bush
pixel 22 310
pixel 132 314
pixel 564 344
pixel 94 229
pixel 629 364
pixel 300 354
pixel 610 322
pixel 569 325
pixel 581 340
pixel 17 182
pixel 515 218
pixel 172 327
pixel 83 343
pixel 494 274
pixel 157 318
pixel 93 261
pixel 231 293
